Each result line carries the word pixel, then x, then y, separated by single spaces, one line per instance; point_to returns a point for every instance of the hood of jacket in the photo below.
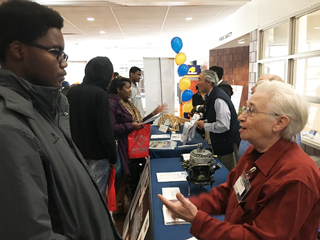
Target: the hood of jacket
pixel 98 71
pixel 45 99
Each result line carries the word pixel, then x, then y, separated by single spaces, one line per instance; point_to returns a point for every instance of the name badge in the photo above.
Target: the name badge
pixel 138 96
pixel 242 186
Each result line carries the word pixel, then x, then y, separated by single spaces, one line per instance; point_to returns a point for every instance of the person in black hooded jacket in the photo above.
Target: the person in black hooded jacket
pixel 90 123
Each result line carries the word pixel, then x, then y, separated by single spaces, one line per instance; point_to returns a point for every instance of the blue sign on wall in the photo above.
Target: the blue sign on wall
pixel 194 70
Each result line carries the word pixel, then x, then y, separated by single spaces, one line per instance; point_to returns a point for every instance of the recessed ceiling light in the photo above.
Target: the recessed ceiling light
pixel 189 18
pixel 102 32
pixel 90 19
pixel 317 28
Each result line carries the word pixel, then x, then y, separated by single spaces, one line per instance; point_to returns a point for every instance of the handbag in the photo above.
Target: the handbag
pixel 138 142
pixel 119 164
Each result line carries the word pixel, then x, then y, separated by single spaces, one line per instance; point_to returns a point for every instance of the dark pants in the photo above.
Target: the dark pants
pixel 136 166
pixel 126 185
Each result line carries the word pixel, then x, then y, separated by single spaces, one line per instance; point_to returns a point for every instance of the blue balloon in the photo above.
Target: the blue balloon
pixel 186 95
pixel 176 44
pixel 183 70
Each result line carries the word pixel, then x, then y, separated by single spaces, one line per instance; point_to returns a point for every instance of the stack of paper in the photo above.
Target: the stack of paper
pixel 170 194
pixel 176 137
pixel 156 136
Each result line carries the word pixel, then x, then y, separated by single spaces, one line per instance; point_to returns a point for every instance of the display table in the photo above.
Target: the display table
pixel 177 232
pixel 160 153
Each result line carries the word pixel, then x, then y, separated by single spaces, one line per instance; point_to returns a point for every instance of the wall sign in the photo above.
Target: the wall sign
pixel 225 36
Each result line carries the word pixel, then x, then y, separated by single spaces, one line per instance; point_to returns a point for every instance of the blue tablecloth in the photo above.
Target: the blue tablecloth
pixel 160 153
pixel 176 232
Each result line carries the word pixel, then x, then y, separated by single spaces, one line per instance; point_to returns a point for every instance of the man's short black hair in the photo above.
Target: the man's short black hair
pixel 217 70
pixel 134 70
pixel 25 21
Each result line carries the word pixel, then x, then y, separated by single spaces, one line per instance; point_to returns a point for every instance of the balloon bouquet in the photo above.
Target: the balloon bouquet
pixel 184 83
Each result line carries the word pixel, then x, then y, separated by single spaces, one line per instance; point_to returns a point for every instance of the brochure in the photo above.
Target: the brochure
pixel 153 118
pixel 162 144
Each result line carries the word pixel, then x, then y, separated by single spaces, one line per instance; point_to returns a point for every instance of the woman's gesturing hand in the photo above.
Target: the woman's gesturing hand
pixel 163 108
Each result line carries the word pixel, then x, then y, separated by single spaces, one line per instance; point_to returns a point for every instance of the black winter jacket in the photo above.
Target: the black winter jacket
pixel 90 123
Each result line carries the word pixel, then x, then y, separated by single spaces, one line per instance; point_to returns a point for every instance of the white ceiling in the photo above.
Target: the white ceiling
pixel 133 24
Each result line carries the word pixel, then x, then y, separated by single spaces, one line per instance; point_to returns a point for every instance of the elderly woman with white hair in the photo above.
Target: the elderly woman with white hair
pixel 274 192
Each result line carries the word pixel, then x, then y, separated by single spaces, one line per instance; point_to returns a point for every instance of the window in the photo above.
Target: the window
pixel 275 41
pixel 308 32
pixel 276 68
pixel 291 50
pixel 308 76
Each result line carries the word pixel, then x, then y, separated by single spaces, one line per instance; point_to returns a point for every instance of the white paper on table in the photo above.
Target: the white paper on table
pixel 193 238
pixel 155 136
pixel 163 128
pixel 176 137
pixel 169 220
pixel 153 118
pixel 162 144
pixel 172 176
pixel 170 192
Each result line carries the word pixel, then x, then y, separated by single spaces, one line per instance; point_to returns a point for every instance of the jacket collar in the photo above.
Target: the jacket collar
pixel 115 97
pixel 270 157
pixel 24 95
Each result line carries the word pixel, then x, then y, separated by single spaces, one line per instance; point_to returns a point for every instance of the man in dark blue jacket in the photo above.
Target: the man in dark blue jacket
pixel 222 122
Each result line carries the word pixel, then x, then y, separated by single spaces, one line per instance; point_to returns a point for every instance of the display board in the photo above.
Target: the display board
pixel 138 223
pixel 159 83
pixel 236 97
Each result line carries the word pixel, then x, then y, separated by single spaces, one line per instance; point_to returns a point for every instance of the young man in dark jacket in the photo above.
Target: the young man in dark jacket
pixel 46 189
pixel 90 123
pixel 221 83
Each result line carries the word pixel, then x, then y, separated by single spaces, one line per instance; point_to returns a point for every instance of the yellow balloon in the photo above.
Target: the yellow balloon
pixel 180 58
pixel 187 107
pixel 184 83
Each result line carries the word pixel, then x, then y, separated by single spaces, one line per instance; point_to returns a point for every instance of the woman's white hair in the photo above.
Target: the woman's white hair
pixel 210 76
pixel 284 100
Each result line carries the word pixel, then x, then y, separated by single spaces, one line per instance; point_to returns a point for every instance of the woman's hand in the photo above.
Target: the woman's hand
pixel 163 108
pixel 137 125
pixel 183 208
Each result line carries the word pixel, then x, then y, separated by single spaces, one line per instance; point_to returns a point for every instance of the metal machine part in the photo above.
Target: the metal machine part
pixel 200 167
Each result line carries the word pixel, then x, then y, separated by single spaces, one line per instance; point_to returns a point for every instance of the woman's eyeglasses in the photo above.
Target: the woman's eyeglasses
pixel 250 112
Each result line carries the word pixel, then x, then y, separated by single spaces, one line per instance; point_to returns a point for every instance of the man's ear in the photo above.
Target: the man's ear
pixel 16 50
pixel 118 90
pixel 280 123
